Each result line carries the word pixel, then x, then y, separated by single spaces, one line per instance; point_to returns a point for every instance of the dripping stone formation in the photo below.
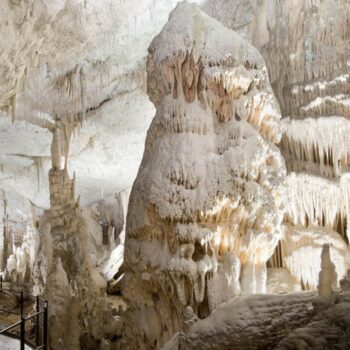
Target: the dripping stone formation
pixel 192 196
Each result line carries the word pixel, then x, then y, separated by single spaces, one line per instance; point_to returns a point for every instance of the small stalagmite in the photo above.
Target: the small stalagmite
pixel 327 275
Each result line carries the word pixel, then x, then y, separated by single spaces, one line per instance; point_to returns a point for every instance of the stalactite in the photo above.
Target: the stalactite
pixel 312 145
pixel 276 260
pixel 13 107
pixel 39 169
pixel 56 147
pixel 317 201
pixel 83 93
pixel 67 126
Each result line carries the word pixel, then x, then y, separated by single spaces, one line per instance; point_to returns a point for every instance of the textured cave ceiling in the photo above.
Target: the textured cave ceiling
pixel 67 57
pixel 87 58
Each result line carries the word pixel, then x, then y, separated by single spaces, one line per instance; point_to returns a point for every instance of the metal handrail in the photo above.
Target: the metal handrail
pixel 35 318
pixel 10 312
pixel 19 291
pixel 5 330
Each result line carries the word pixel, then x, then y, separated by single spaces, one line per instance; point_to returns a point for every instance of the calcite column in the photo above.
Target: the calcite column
pixel 64 271
pixel 207 199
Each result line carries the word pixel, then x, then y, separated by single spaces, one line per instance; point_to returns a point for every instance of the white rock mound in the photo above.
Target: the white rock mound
pixel 205 210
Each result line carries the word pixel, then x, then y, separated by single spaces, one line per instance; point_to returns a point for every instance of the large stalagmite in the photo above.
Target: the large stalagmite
pixel 64 271
pixel 206 207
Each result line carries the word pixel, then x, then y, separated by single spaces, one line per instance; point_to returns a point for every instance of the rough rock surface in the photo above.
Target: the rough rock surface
pixel 254 322
pixel 294 321
pixel 207 201
pixel 329 328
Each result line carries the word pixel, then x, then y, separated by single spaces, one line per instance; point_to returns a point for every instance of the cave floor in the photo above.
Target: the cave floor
pixel 7 343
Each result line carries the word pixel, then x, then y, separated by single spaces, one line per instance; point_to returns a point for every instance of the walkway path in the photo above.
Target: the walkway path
pixel 7 343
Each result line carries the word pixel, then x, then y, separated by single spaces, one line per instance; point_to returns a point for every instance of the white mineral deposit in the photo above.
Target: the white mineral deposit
pixel 175 174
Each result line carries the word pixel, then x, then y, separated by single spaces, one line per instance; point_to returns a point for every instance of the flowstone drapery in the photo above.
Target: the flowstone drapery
pixel 306 48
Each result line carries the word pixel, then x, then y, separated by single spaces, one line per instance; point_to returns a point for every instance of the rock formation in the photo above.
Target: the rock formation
pixel 309 71
pixel 327 276
pixel 329 326
pixel 248 322
pixel 231 200
pixel 345 283
pixel 19 238
pixel 294 321
pixel 64 270
pixel 206 207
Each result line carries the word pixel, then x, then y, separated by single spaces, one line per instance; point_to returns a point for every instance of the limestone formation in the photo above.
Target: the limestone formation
pixel 240 195
pixel 19 238
pixel 299 251
pixel 249 322
pixel 205 210
pixel 64 270
pixel 308 67
pixel 329 326
pixel 327 276
pixel 345 282
pixel 294 321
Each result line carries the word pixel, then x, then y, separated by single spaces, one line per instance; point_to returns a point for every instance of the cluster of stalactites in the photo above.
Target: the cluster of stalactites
pixel 320 98
pixel 199 250
pixel 315 201
pixel 221 230
pixel 320 146
pixel 230 89
pixel 299 252
pixel 74 82
pixel 62 132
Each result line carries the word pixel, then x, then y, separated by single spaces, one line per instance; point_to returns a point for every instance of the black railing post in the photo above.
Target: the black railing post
pixel 37 329
pixel 45 326
pixel 1 282
pixel 21 304
pixel 41 336
pixel 23 332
